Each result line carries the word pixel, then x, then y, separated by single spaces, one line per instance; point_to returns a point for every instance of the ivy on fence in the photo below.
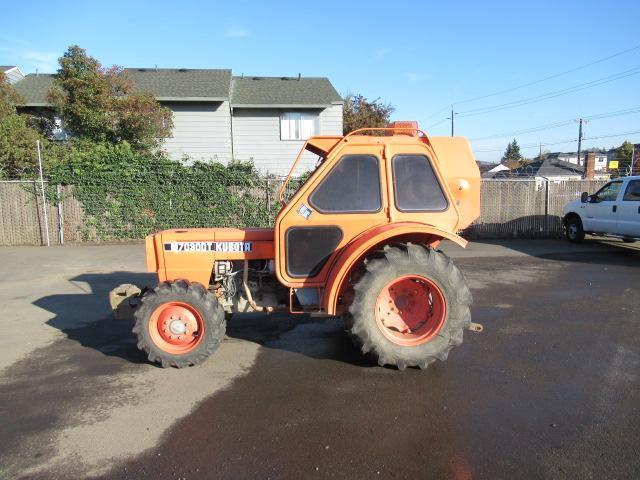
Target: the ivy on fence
pixel 127 195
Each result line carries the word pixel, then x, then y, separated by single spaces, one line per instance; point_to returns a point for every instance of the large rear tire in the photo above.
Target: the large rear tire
pixel 410 307
pixel 179 324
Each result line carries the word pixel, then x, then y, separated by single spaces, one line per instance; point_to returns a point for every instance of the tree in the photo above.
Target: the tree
pixel 17 147
pixel 99 104
pixel 624 153
pixel 17 139
pixel 9 98
pixel 358 112
pixel 512 157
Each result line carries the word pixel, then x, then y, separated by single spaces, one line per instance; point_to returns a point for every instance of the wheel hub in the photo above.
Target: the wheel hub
pixel 176 327
pixel 410 310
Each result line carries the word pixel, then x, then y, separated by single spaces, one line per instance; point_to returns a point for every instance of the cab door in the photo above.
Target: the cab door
pixel 342 199
pixel 629 210
pixel 601 210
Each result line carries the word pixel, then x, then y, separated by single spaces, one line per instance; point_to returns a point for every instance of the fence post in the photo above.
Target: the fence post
pixel 546 206
pixel 268 187
pixel 60 215
pixel 44 198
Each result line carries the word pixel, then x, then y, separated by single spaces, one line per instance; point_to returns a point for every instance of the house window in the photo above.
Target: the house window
pixel 298 126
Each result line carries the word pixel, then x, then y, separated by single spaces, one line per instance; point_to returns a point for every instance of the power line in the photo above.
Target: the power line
pixel 612 135
pixel 559 142
pixel 438 123
pixel 548 126
pixel 535 82
pixel 552 94
pixel 527 146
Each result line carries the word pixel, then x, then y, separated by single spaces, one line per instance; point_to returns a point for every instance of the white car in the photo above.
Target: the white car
pixel 612 210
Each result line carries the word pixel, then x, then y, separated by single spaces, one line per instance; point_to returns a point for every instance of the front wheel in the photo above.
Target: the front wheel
pixel 410 307
pixel 574 230
pixel 179 324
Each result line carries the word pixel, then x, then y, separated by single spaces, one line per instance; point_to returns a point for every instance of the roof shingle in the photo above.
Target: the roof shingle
pixel 283 91
pixel 207 85
pixel 34 87
pixel 183 83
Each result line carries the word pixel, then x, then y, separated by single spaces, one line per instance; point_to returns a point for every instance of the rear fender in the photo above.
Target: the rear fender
pixel 355 252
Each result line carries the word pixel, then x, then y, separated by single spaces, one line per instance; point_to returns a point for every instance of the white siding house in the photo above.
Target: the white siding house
pixel 218 118
pixel 273 116
pixel 263 136
pixel 201 131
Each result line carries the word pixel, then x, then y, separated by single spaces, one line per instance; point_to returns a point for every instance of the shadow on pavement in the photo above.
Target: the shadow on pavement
pixel 317 338
pixel 86 317
pixel 594 250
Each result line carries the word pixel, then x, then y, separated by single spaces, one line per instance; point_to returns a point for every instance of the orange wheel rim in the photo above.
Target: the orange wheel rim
pixel 410 310
pixel 176 327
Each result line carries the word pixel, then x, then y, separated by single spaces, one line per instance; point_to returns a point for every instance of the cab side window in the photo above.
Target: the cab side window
pixel 608 193
pixel 632 193
pixel 416 186
pixel 352 186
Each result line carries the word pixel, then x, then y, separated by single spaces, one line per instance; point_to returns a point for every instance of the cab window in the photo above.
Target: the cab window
pixel 608 193
pixel 352 186
pixel 632 193
pixel 415 185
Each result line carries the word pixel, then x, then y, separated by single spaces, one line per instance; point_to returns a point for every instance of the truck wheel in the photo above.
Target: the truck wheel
pixel 573 229
pixel 410 307
pixel 179 324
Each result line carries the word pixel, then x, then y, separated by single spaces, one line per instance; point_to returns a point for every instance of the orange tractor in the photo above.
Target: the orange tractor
pixel 358 239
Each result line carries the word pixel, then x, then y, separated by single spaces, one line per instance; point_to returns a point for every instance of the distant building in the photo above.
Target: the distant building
pixel 12 73
pixel 488 170
pixel 549 168
pixel 602 159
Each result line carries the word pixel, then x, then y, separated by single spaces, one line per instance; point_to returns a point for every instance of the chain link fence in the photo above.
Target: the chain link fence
pixel 525 208
pixel 510 208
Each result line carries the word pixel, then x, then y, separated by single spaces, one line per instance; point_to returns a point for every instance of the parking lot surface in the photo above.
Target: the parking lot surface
pixel 550 389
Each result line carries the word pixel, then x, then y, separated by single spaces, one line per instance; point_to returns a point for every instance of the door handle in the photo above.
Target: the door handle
pixel 615 208
pixel 638 209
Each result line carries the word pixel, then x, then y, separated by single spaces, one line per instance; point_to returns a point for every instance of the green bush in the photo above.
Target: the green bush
pixel 127 194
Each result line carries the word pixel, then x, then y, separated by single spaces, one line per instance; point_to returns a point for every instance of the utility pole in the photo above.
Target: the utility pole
pixel 540 154
pixel 453 114
pixel 580 138
pixel 633 157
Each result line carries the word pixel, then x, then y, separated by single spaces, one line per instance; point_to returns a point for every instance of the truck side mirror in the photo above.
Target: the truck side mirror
pixel 584 197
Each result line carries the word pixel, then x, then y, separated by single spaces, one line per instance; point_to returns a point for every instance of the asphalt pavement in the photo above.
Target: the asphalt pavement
pixel 550 389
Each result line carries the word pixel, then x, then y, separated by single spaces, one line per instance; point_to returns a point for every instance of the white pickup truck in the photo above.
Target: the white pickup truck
pixel 613 210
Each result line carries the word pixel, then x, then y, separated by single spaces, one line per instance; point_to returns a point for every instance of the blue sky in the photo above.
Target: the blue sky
pixel 419 56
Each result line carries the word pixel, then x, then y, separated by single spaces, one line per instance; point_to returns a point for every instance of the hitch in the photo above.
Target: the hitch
pixel 475 327
pixel 124 299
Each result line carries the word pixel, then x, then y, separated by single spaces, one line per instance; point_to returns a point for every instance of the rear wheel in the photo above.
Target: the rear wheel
pixel 410 307
pixel 573 229
pixel 179 324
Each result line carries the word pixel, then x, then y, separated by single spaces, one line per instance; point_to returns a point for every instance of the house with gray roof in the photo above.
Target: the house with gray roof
pixel 219 117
